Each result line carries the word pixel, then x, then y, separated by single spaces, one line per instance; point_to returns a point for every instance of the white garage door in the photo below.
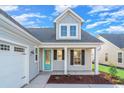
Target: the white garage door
pixel 12 65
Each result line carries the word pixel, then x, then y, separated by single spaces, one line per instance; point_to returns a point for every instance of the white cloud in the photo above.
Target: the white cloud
pixel 115 29
pixel 101 8
pixel 104 14
pixel 114 14
pixel 100 31
pixel 61 8
pixel 89 20
pixel 9 7
pixel 25 20
pixel 89 26
pixel 117 13
pixel 25 17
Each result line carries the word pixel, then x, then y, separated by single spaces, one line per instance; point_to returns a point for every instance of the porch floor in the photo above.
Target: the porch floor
pixel 73 72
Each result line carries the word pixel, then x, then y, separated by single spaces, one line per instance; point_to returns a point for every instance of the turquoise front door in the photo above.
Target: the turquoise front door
pixel 47 59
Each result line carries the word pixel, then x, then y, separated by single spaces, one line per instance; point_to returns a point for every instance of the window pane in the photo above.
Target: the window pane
pixel 4 47
pixel 59 54
pixel 106 56
pixel 63 30
pixel 47 56
pixel 77 57
pixel 18 49
pixel 72 30
pixel 120 57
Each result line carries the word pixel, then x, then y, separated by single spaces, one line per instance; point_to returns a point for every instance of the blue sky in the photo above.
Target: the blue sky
pixel 97 19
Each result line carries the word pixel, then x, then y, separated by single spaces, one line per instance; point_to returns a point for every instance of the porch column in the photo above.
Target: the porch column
pixel 96 64
pixel 65 61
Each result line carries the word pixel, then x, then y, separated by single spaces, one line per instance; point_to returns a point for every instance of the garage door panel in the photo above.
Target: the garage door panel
pixel 12 69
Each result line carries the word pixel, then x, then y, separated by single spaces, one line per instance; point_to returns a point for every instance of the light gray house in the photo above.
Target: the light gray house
pixel 24 52
pixel 112 51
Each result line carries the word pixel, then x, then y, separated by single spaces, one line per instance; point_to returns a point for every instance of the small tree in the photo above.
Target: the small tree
pixel 113 70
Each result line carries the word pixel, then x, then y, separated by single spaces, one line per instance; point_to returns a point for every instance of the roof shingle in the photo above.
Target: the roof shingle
pixel 116 39
pixel 49 35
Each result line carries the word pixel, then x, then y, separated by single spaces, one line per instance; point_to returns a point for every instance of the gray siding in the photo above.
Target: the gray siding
pixel 33 70
pixel 68 18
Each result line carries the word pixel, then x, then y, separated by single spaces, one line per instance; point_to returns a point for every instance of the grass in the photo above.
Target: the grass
pixel 103 68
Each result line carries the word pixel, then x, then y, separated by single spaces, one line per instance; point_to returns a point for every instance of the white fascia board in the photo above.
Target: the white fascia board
pixel 20 29
pixel 68 9
pixel 78 45
pixel 89 43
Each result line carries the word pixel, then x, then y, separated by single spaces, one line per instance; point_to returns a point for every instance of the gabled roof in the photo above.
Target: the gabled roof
pixel 65 11
pixel 16 23
pixel 48 35
pixel 116 39
pixel 11 19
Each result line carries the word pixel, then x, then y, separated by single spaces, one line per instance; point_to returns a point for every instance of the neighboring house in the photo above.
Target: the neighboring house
pixel 112 51
pixel 25 52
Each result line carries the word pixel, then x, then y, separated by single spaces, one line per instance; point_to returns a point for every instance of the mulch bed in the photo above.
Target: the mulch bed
pixel 102 78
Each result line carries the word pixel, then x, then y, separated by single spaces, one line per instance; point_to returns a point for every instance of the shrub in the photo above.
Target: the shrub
pixel 57 77
pixel 113 70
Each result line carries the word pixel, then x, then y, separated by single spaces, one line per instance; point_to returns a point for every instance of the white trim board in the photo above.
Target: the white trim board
pixel 68 9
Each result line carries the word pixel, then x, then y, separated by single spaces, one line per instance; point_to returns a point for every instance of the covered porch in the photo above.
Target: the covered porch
pixel 69 59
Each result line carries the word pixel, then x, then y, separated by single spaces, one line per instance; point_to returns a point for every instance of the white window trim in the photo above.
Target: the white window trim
pixel 68 31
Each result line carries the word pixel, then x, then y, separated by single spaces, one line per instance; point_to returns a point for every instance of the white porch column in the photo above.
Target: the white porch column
pixel 65 61
pixel 96 63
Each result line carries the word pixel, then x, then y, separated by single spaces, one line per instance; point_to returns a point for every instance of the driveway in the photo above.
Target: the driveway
pixel 41 82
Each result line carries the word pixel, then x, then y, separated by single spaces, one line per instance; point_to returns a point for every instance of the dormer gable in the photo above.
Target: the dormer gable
pixel 68 25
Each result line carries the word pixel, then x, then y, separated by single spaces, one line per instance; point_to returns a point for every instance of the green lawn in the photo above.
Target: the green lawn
pixel 106 69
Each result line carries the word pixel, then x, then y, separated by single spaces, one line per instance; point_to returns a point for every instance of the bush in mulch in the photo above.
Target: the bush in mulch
pixel 102 78
pixel 113 70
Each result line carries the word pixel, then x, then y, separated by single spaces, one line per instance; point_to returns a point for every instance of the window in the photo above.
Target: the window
pixel 59 54
pixel 18 49
pixel 72 30
pixel 4 47
pixel 63 30
pixel 106 56
pixel 68 31
pixel 119 57
pixel 77 57
pixel 36 54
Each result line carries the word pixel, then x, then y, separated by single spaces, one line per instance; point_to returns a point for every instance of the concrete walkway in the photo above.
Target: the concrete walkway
pixel 41 82
pixel 83 86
